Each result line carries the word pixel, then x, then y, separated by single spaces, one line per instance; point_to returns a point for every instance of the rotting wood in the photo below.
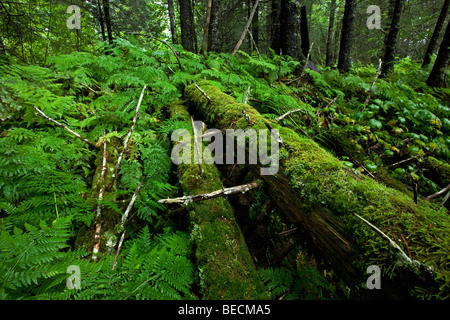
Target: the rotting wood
pixel 318 193
pixel 226 266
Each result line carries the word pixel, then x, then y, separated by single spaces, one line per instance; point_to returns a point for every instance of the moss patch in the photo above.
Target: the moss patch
pixel 322 181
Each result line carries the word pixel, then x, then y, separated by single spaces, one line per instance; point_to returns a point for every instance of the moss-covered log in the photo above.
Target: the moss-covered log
pixel 226 268
pixel 318 193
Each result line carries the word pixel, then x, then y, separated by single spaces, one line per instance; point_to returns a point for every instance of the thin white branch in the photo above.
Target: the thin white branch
pixel 247 94
pixel 394 245
pixel 203 92
pixel 130 205
pixel 125 144
pixel 197 147
pixel 218 193
pixel 101 181
pixel 377 74
pixel 447 188
pixel 64 126
pixel 288 113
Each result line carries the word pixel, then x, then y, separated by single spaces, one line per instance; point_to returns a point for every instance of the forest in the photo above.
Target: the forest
pixel 120 174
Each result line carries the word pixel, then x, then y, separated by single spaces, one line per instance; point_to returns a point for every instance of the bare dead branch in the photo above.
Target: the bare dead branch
pixel 288 113
pixel 447 188
pixel 218 193
pixel 369 95
pixel 197 147
pixel 65 127
pixel 203 92
pixel 125 144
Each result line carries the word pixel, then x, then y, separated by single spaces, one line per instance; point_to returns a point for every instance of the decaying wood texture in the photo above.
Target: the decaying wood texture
pixel 321 196
pixel 226 267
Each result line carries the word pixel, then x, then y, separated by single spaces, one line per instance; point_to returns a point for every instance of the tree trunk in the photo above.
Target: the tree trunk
pixel 345 49
pixel 106 10
pixel 173 25
pixel 187 25
pixel 391 40
pixel 327 201
pixel 304 31
pixel 290 29
pixel 437 31
pixel 329 55
pixel 275 30
pixel 101 19
pixel 437 77
pixel 214 39
pixel 207 25
pixel 255 27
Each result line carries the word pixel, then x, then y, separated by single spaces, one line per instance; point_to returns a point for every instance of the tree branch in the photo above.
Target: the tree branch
pixel 65 127
pixel 197 147
pixel 218 193
pixel 125 144
pixel 288 113
pixel 250 18
pixel 447 188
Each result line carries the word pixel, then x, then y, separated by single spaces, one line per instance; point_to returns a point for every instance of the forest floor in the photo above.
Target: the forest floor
pixel 86 156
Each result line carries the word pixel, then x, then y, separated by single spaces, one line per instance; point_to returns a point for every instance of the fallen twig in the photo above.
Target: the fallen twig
pixel 197 147
pixel 65 127
pixel 288 113
pixel 247 94
pixel 403 255
pixel 205 196
pixel 369 95
pixel 125 144
pixel 443 201
pixel 203 92
pixel 447 188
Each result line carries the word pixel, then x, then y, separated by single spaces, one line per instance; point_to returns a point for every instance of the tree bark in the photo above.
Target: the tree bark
pixel 329 54
pixel 214 39
pixel 437 77
pixel 391 39
pixel 304 31
pixel 101 19
pixel 187 25
pixel 290 36
pixel 345 49
pixel 207 26
pixel 275 30
pixel 173 25
pixel 437 31
pixel 106 9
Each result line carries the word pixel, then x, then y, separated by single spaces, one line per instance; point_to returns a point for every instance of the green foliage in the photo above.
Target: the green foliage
pixel 302 283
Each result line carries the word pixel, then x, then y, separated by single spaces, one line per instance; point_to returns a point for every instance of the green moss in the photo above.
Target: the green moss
pixel 226 268
pixel 322 181
pixel 442 167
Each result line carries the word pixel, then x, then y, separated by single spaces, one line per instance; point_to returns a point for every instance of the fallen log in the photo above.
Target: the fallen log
pixel 321 196
pixel 226 268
